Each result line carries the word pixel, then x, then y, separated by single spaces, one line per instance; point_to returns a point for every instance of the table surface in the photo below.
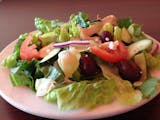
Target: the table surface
pixel 17 17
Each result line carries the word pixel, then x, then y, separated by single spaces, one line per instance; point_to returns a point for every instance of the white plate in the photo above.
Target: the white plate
pixel 26 100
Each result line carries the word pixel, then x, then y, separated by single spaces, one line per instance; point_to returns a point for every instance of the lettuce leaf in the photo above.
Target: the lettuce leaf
pixel 10 61
pixel 24 73
pixel 64 34
pixel 148 88
pixel 21 38
pixel 20 78
pixel 136 32
pixel 125 93
pixel 83 94
pixel 125 22
pixel 153 62
pixel 45 25
pixel 74 31
pixel 81 18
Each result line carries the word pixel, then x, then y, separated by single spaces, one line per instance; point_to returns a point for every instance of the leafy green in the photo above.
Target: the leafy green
pixel 55 74
pixel 21 38
pixel 136 32
pixel 42 71
pixel 27 72
pixel 45 25
pixel 36 39
pixel 48 38
pixel 83 94
pixel 125 22
pixel 20 78
pixel 74 31
pixel 125 93
pixel 148 88
pixel 26 66
pixel 24 73
pixel 10 61
pixel 64 34
pixel 81 18
pixel 152 61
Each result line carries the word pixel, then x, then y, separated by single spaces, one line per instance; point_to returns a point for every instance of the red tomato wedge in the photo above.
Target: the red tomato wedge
pixel 28 52
pixel 105 52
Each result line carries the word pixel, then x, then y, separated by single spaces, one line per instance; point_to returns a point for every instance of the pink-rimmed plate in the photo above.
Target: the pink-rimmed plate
pixel 26 100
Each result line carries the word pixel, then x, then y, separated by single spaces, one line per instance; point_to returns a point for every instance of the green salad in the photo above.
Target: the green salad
pixel 84 63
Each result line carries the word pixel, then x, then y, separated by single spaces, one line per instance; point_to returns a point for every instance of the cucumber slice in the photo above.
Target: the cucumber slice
pixel 51 55
pixel 139 46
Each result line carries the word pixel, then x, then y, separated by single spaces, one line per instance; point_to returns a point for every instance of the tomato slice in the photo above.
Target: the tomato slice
pixel 110 55
pixel 28 52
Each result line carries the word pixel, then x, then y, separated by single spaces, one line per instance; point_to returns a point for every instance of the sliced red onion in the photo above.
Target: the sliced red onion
pixel 73 42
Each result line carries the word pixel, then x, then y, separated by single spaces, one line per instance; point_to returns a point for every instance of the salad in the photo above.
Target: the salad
pixel 84 63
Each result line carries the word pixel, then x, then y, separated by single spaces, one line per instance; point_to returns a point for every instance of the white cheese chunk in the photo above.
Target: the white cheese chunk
pixel 113 45
pixel 44 86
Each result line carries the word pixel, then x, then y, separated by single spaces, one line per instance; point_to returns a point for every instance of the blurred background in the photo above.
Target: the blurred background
pixel 17 16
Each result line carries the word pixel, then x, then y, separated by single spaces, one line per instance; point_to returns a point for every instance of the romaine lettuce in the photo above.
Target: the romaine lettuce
pixel 125 22
pixel 83 94
pixel 20 78
pixel 125 93
pixel 10 61
pixel 81 18
pixel 45 25
pixel 149 87
pixel 153 62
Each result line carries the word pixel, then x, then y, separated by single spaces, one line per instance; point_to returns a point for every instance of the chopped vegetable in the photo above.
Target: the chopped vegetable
pixel 125 22
pixel 72 42
pixel 148 88
pixel 27 51
pixel 111 52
